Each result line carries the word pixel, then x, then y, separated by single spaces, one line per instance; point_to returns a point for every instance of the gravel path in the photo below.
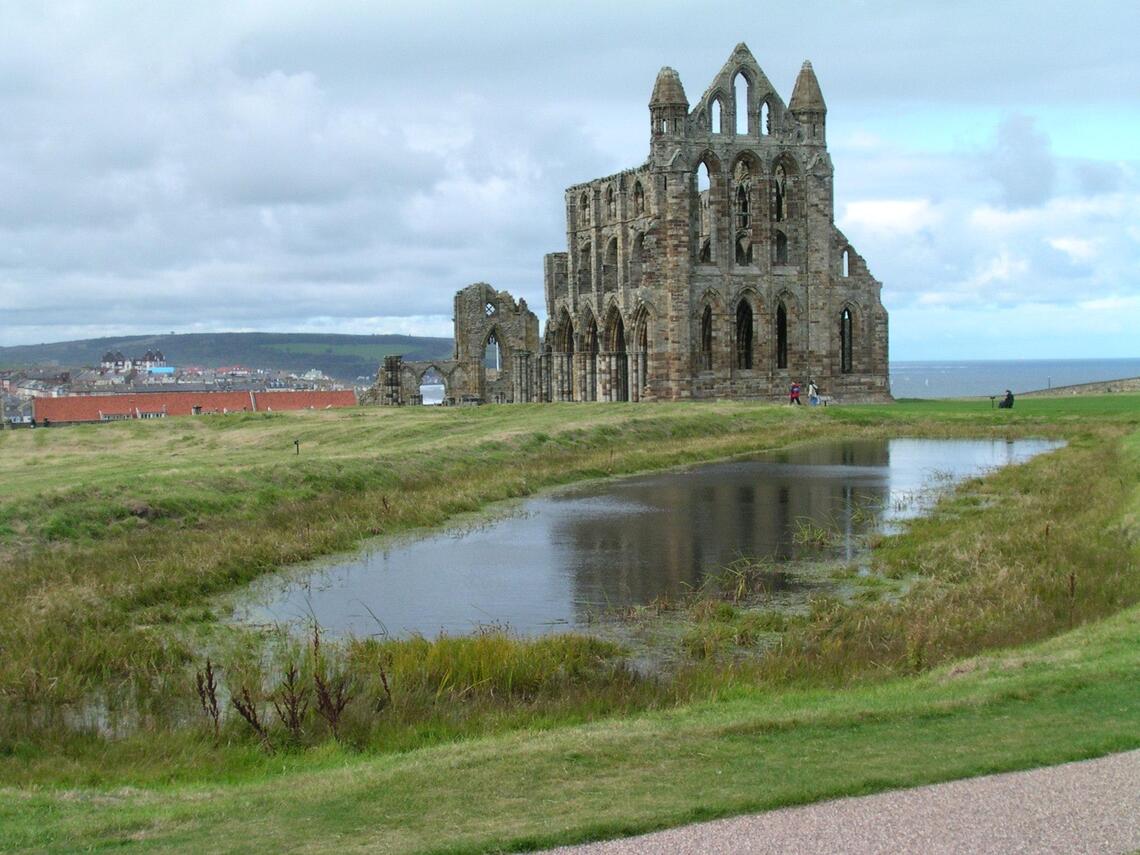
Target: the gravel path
pixel 1092 806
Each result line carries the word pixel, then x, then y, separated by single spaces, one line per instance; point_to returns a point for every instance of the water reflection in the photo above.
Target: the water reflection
pixel 569 555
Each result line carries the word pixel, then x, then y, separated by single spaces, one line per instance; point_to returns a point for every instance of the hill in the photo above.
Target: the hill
pixel 345 357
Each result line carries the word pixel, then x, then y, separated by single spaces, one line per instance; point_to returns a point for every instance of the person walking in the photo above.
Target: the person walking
pixel 794 394
pixel 813 393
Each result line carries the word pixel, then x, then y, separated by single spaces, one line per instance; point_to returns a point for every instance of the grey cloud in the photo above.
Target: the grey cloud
pixel 169 166
pixel 1094 178
pixel 1021 163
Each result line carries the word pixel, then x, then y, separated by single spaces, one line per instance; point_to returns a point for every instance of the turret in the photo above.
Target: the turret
pixel 807 105
pixel 668 106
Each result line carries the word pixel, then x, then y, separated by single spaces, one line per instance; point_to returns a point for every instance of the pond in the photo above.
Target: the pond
pixel 558 560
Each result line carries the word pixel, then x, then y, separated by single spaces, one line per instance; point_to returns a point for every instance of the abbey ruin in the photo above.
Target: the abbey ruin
pixel 713 270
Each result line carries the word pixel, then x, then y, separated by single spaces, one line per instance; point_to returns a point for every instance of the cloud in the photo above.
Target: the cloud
pixel 1021 163
pixel 1077 249
pixel 273 165
pixel 896 217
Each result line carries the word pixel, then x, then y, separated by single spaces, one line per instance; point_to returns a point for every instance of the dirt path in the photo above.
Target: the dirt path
pixel 1092 806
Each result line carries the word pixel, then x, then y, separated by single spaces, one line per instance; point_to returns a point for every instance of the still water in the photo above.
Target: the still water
pixel 561 558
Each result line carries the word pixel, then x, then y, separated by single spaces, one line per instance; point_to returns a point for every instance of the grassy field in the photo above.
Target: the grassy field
pixel 119 542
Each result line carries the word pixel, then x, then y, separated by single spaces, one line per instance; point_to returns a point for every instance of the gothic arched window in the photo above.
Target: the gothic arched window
pixel 845 342
pixel 744 335
pixel 781 248
pixel 706 340
pixel 781 337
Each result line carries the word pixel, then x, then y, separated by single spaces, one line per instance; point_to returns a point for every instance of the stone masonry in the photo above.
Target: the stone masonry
pixel 713 270
pixel 486 320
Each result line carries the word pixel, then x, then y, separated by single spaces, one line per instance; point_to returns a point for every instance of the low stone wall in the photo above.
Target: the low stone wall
pixel 1101 387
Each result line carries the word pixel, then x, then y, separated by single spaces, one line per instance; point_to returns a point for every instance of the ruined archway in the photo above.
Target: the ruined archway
pixel 615 379
pixel 589 373
pixel 432 386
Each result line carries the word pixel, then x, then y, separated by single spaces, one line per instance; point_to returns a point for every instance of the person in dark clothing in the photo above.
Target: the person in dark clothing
pixel 794 394
pixel 1006 403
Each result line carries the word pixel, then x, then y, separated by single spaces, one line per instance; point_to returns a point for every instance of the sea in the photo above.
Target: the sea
pixel 967 378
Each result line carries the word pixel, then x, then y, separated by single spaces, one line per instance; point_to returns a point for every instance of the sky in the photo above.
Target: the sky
pixel 346 167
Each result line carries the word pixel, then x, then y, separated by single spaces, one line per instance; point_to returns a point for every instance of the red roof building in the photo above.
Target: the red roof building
pixel 157 405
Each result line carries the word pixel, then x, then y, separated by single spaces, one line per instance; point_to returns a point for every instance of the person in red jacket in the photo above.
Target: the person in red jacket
pixel 794 395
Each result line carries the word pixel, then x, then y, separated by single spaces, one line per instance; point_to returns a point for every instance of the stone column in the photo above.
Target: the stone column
pixel 566 369
pixel 635 376
pixel 582 376
pixel 390 381
pixel 605 376
pixel 522 379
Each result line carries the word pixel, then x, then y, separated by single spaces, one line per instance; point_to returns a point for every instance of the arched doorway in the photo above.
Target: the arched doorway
pixel 433 388
pixel 617 357
pixel 590 361
pixel 562 370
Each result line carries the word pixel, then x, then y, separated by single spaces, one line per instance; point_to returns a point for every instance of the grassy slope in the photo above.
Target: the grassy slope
pixel 1072 697
pixel 574 782
pixel 341 356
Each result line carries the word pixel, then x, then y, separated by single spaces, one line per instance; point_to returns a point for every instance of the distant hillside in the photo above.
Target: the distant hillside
pixel 345 357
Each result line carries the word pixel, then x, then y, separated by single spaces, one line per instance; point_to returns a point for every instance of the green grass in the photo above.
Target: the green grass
pixel 120 544
pixel 1072 697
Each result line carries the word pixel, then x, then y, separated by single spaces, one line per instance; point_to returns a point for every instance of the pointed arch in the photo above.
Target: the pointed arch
pixel 764 118
pixel 845 262
pixel 611 204
pixel 584 210
pixel 562 365
pixel 708 190
pixel 742 100
pixel 638 199
pixel 495 352
pixel 614 338
pixel 585 266
pixel 640 358
pixel 846 340
pixel 784 182
pixel 745 178
pixel 636 258
pixel 705 352
pixel 589 385
pixel 744 337
pixel 610 266
pixel 616 357
pixel 716 114
pixel 564 336
pixel 744 249
pixel 780 248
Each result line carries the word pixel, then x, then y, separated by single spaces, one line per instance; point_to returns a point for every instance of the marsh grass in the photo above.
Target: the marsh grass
pixel 113 561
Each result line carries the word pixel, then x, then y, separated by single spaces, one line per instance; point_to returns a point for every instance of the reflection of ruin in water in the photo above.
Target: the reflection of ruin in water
pixel 688 526
pixel 567 556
